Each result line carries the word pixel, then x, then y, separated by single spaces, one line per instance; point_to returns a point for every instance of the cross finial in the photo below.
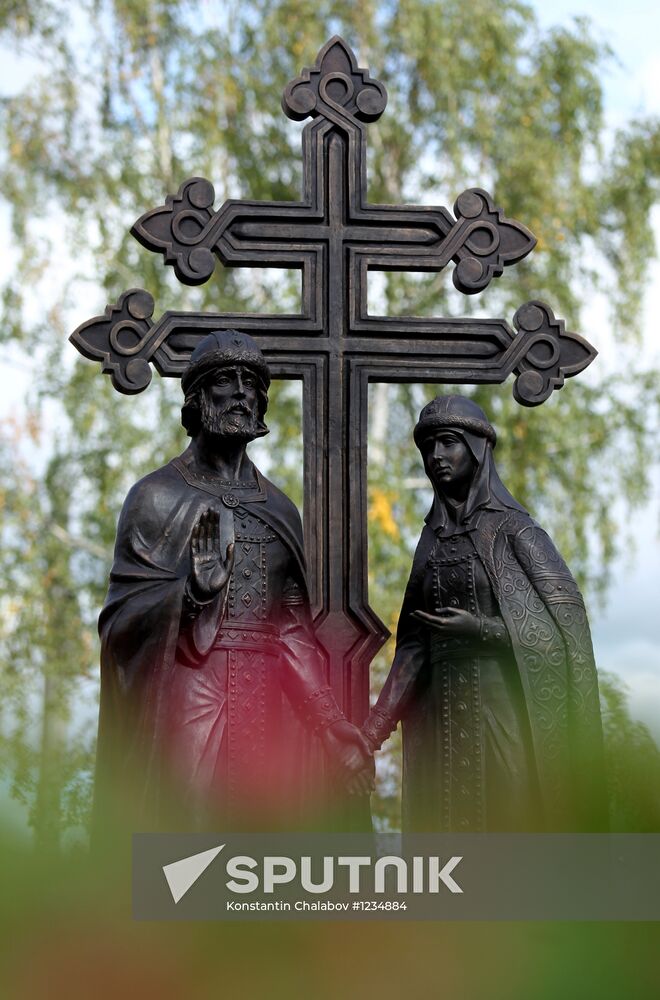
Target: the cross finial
pixel 335 87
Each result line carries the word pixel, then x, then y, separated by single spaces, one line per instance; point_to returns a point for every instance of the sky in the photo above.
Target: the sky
pixel 627 630
pixel 632 30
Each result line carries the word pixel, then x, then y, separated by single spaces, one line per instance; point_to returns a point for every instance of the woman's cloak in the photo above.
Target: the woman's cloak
pixel 547 623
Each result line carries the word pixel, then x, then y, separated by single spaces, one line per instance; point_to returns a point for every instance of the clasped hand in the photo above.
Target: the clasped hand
pixel 451 622
pixel 352 756
pixel 210 571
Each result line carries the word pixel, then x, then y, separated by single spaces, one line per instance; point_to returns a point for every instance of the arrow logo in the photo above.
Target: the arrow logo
pixel 182 875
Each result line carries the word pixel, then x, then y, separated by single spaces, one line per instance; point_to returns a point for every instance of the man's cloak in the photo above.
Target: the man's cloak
pixel 144 642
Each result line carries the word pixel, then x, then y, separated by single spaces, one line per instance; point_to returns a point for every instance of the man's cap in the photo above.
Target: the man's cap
pixel 221 349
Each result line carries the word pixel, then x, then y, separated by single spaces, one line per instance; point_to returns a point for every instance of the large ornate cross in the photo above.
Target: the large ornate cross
pixel 335 237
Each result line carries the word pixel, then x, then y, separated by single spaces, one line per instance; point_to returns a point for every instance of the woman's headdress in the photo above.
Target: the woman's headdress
pixel 465 418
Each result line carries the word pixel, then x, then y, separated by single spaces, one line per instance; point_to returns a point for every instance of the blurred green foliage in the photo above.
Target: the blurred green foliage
pixel 130 97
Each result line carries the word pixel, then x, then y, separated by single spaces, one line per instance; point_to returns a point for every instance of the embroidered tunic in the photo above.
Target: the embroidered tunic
pixel 466 729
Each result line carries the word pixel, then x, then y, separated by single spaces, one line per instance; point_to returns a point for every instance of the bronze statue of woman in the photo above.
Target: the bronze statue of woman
pixel 493 677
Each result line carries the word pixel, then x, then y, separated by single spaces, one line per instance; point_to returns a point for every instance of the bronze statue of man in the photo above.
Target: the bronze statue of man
pixel 213 693
pixel 493 676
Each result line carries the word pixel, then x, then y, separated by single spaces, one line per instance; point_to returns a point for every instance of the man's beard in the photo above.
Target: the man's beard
pixel 235 420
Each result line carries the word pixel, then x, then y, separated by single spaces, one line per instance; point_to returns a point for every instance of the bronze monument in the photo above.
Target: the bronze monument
pixel 334 236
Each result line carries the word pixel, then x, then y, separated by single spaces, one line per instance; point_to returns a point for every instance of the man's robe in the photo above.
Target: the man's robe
pixel 209 707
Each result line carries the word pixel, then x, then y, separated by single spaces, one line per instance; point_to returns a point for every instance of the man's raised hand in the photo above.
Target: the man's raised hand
pixel 210 571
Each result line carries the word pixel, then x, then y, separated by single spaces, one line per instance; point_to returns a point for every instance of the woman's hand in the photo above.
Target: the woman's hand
pixel 451 622
pixel 351 755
